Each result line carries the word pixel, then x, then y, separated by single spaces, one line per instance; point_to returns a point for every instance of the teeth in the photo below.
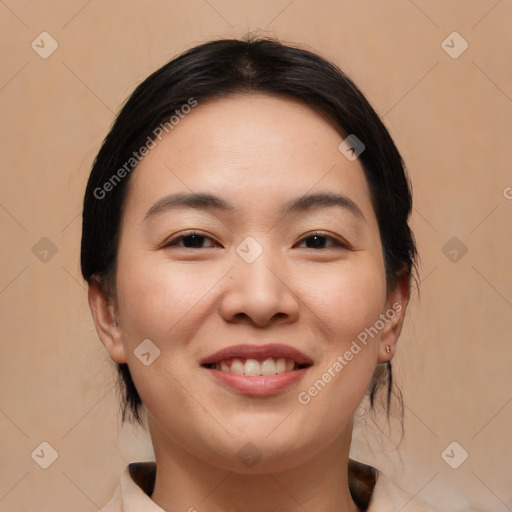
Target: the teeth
pixel 253 367
pixel 281 365
pixel 268 367
pixel 237 367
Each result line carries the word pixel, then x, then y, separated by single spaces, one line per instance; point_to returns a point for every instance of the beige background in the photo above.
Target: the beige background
pixel 451 119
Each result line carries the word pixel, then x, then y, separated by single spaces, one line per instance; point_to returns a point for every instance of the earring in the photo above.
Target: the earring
pixel 388 350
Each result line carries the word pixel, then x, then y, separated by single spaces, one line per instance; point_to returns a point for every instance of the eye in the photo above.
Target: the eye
pixel 319 240
pixel 196 240
pixel 190 240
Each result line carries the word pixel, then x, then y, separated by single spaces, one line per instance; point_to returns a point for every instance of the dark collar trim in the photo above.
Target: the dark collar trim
pixel 361 480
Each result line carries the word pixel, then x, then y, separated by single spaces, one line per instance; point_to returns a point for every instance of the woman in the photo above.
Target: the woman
pixel 247 249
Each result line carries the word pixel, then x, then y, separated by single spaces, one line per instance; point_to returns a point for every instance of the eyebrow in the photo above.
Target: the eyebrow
pixel 205 201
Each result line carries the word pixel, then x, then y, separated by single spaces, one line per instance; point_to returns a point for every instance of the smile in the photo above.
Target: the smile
pixel 257 370
pixel 253 367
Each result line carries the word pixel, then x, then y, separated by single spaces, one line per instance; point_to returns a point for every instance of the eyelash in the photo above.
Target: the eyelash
pixel 174 241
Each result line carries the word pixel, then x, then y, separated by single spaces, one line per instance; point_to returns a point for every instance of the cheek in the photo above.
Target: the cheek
pixel 349 303
pixel 158 301
pixel 348 300
pixel 156 296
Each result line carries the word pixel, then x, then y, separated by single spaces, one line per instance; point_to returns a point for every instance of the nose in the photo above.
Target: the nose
pixel 260 293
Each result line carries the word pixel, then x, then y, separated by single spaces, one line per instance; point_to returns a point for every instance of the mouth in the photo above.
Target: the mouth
pixel 257 360
pixel 253 367
pixel 257 370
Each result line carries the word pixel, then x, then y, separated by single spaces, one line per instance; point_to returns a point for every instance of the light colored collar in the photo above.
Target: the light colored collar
pixel 133 492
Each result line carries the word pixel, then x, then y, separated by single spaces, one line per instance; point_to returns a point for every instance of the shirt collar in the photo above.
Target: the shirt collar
pixel 369 488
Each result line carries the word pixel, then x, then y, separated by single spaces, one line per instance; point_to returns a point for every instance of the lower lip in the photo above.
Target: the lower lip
pixel 258 385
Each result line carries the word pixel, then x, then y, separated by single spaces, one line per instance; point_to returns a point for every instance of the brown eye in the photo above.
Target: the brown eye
pixel 190 240
pixel 319 241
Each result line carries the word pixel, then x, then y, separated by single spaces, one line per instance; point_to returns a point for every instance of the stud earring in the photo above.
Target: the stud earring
pixel 388 349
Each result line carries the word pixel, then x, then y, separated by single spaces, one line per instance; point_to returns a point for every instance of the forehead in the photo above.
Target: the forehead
pixel 252 148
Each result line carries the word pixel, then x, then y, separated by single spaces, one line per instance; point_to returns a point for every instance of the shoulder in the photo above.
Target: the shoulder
pixel 372 491
pixel 134 490
pixel 388 497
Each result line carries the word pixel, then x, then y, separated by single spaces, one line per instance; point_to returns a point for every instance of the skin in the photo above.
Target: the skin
pixel 257 152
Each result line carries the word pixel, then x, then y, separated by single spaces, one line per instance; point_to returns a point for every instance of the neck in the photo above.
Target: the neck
pixel 186 482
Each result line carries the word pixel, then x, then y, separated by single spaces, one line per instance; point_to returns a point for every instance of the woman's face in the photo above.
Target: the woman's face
pixel 265 267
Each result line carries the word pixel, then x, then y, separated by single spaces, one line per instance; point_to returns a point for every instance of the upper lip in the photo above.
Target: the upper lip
pixel 260 352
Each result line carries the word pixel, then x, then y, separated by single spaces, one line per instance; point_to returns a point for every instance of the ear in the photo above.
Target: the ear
pixel 393 316
pixel 103 312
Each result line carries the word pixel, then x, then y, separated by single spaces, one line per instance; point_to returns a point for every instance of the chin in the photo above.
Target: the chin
pixel 256 455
